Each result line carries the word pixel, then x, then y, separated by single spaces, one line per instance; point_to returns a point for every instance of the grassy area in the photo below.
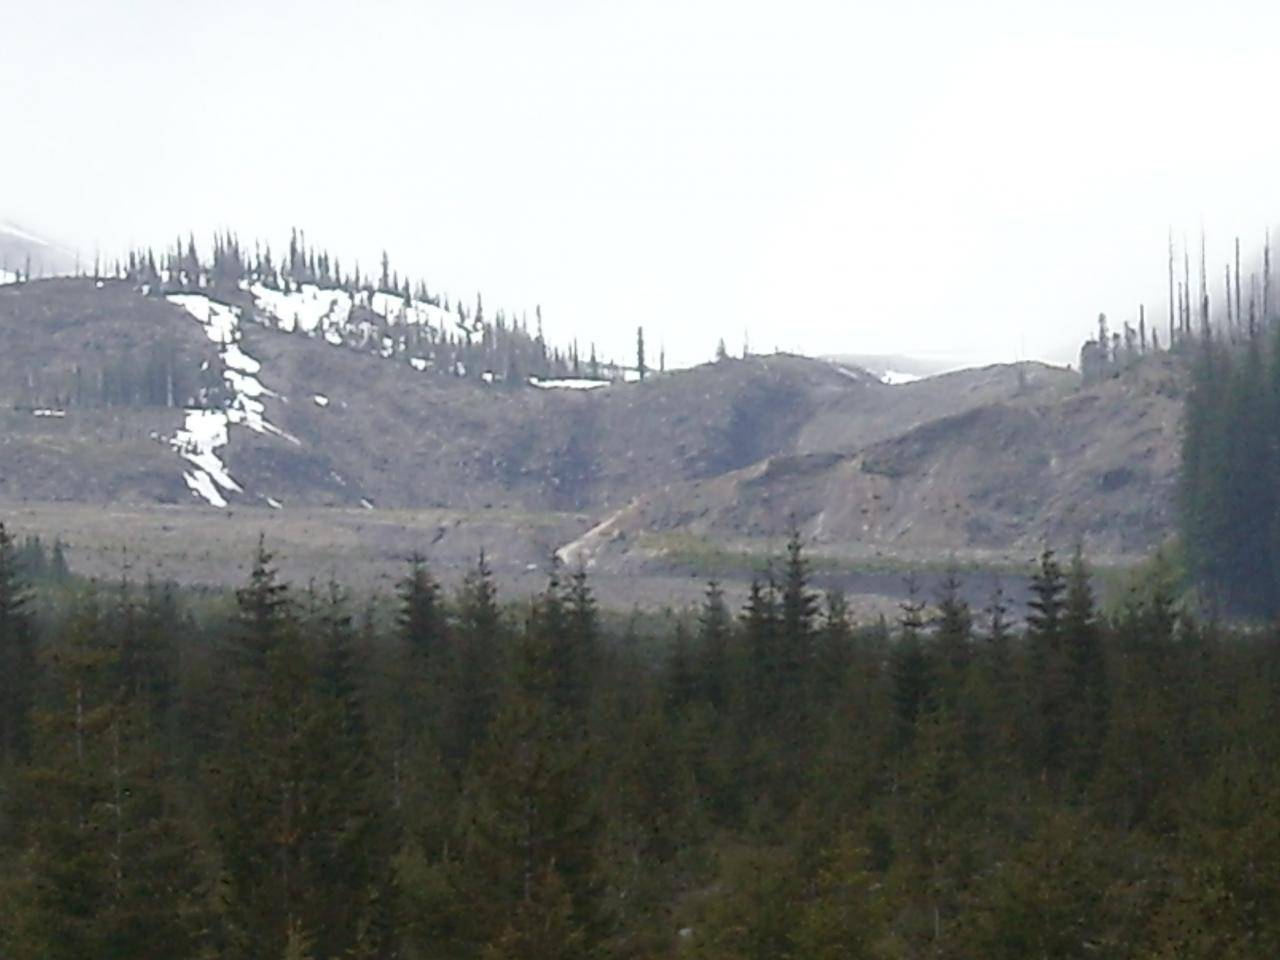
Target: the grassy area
pixel 738 558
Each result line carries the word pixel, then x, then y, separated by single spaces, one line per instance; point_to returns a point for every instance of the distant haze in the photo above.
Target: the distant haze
pixel 975 179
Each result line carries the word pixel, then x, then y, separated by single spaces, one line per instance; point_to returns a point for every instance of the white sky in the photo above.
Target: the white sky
pixel 975 179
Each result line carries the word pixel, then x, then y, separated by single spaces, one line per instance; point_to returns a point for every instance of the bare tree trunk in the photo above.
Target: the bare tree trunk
pixel 1239 304
pixel 1266 279
pixel 1253 301
pixel 1182 312
pixel 1204 290
pixel 1186 286
pixel 1231 329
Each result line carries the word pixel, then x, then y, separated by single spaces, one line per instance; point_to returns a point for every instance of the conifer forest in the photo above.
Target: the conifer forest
pixel 288 773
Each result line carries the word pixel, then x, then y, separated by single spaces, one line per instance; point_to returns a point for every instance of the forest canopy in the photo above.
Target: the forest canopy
pixel 295 774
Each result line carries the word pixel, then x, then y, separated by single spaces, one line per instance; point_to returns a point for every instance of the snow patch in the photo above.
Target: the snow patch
pixel 203 488
pixel 309 308
pixel 273 503
pixel 395 309
pixel 203 434
pixel 238 360
pixel 897 377
pixel 418 363
pixel 568 384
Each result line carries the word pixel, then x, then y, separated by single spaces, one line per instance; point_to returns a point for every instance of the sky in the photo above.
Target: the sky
pixel 975 181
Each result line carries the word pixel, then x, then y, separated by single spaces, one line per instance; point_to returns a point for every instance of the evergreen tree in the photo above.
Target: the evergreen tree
pixel 573 646
pixel 481 636
pixel 798 610
pixel 760 630
pixel 421 619
pixel 1045 637
pixel 953 630
pixel 835 651
pixel 1086 672
pixel 909 666
pixel 288 786
pixel 113 872
pixel 351 848
pixel 715 632
pixel 530 828
pixel 18 667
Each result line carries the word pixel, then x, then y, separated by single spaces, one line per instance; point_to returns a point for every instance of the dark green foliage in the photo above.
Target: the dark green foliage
pixel 481 637
pixel 913 682
pixel 529 825
pixel 1086 674
pixel 422 623
pixel 715 630
pixel 1048 734
pixel 953 631
pixel 1230 476
pixel 438 779
pixel 17 658
pixel 113 871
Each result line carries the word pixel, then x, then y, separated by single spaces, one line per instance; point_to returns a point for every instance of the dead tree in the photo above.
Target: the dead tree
pixel 1231 325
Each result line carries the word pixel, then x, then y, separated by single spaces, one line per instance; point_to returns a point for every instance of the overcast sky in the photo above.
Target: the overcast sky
pixel 977 179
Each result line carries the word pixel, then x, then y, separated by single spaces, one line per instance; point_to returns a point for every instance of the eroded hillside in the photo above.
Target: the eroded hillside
pixel 261 399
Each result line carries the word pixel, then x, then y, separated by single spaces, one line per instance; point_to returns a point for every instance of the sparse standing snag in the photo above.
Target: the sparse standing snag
pixel 1231 324
pixel 1186 287
pixel 1172 336
pixel 1239 302
pixel 1266 277
pixel 1204 291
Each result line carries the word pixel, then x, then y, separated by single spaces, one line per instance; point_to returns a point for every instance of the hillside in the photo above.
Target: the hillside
pixel 255 398
pixel 991 463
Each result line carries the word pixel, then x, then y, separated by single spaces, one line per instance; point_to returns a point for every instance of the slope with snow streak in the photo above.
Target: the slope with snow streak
pixel 326 311
pixel 308 309
pixel 205 432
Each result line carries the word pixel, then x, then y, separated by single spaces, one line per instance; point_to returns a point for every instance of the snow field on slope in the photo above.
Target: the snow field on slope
pixel 308 309
pixel 205 432
pixel 326 312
